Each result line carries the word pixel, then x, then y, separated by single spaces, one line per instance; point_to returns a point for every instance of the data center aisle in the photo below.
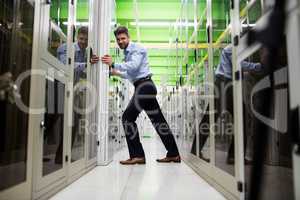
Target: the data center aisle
pixel 153 181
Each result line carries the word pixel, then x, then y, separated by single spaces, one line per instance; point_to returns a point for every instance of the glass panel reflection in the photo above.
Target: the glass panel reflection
pixel 79 81
pixel 204 123
pixel 54 127
pixel 272 103
pixel 58 26
pixel 223 90
pixel 203 111
pixel 16 35
pixel 253 13
pixel 224 138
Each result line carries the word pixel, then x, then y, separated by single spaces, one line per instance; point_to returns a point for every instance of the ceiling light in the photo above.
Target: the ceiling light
pixel 161 24
pixel 86 23
pixel 78 23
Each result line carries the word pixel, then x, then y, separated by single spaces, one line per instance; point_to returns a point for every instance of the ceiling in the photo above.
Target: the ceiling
pixel 163 61
pixel 166 60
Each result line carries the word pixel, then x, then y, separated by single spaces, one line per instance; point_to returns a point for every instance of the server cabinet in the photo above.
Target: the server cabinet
pixel 17 33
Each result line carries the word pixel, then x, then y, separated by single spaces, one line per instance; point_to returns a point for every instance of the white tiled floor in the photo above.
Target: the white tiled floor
pixel 153 181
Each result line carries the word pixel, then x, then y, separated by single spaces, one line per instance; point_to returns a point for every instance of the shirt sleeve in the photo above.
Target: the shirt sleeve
pixel 226 58
pixel 124 75
pixel 133 64
pixel 62 53
pixel 249 66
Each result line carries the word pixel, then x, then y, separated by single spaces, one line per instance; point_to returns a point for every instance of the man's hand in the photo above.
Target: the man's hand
pixel 8 89
pixel 114 72
pixel 94 59
pixel 107 59
pixel 5 81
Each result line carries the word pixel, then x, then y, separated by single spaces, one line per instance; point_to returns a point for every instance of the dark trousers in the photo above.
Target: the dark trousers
pixel 144 98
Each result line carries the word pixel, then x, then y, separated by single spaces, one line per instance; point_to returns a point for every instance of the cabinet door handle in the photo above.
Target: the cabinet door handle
pixel 42 125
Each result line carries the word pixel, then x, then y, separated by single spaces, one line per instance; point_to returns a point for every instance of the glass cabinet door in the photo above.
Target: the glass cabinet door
pixel 55 34
pixel 80 47
pixel 58 27
pixel 16 38
pixel 54 53
pixel 53 138
pixel 84 137
pixel 52 154
pixel 224 131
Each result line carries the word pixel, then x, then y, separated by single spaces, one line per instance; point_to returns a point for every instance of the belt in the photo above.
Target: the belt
pixel 141 80
pixel 223 78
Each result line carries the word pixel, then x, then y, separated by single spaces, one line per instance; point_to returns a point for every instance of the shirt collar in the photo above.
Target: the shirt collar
pixel 129 47
pixel 77 48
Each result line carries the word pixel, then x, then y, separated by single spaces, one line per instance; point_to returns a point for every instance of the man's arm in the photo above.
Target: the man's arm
pixel 115 72
pixel 131 65
pixel 62 53
pixel 250 66
pixel 62 57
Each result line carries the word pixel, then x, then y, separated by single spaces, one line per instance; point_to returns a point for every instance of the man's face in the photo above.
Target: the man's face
pixel 82 40
pixel 122 40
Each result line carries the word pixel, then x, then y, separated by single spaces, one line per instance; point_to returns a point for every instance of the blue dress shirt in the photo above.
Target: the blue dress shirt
pixel 136 63
pixel 225 66
pixel 80 60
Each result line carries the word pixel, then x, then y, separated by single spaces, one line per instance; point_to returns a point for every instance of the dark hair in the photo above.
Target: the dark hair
pixel 120 30
pixel 83 30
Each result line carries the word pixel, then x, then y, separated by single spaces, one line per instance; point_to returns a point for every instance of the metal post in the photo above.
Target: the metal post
pixel 102 82
pixel 237 99
pixel 211 80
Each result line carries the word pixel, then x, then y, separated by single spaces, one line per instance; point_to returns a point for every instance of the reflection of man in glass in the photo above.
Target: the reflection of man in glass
pixel 80 61
pixel 223 84
pixel 80 54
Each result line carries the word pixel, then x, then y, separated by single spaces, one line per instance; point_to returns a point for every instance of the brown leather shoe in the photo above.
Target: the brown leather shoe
pixel 133 161
pixel 175 159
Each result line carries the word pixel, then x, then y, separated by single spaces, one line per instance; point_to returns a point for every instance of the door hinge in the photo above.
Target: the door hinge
pixel 236 40
pixel 240 186
pixel 74 33
pixel 67 158
pixel 208 34
pixel 232 4
pixel 237 75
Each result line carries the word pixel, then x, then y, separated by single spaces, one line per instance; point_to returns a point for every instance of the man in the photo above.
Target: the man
pixel 223 84
pixel 136 69
pixel 80 54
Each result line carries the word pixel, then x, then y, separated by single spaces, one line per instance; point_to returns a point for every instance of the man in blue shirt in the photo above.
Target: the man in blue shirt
pixel 80 56
pixel 225 67
pixel 136 69
pixel 223 84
